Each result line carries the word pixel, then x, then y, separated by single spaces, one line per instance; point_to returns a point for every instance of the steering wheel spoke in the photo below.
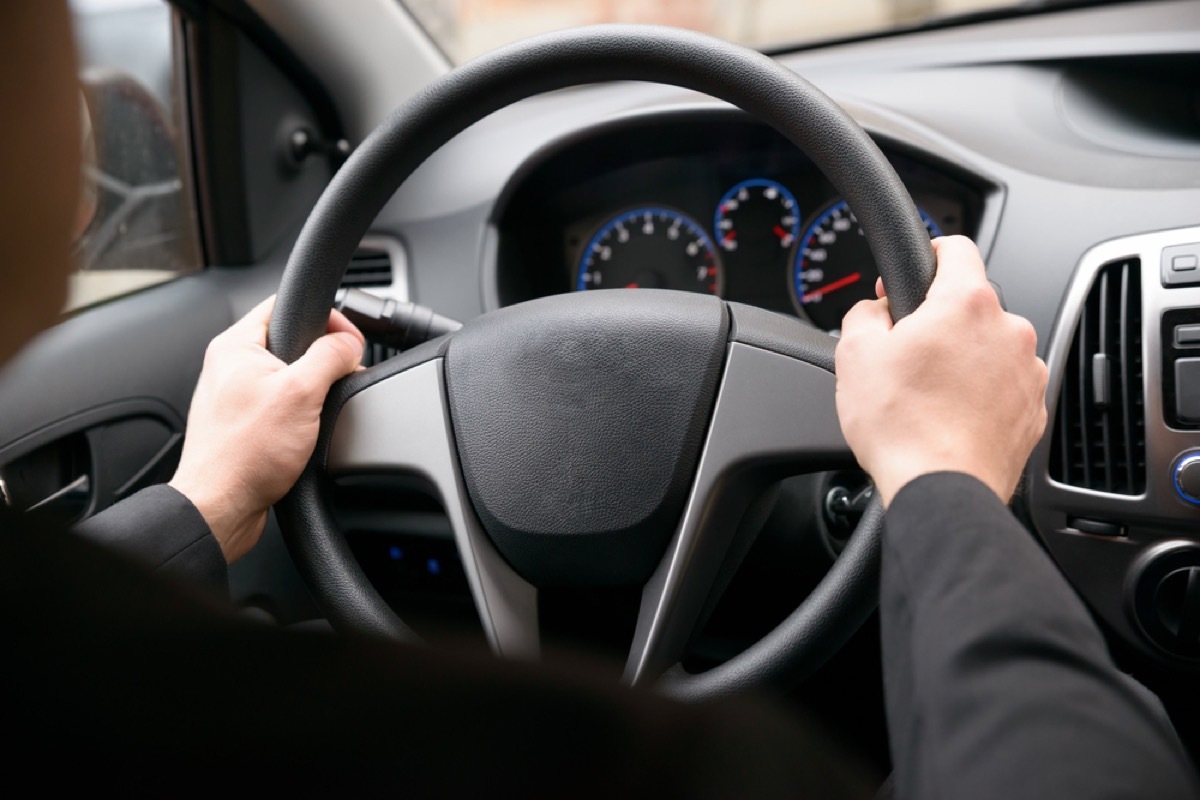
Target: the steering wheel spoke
pixel 774 417
pixel 401 424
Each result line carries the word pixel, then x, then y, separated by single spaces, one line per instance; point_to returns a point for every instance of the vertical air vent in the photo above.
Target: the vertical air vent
pixel 1100 428
pixel 369 266
pixel 378 266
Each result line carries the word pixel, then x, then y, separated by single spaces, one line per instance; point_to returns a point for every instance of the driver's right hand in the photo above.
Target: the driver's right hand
pixel 955 386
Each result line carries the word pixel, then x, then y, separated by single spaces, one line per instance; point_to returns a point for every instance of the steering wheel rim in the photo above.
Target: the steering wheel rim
pixel 747 79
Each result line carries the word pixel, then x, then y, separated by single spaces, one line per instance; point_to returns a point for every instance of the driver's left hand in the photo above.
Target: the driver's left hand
pixel 253 423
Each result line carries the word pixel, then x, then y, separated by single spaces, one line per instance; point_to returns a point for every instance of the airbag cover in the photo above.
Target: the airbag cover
pixel 579 420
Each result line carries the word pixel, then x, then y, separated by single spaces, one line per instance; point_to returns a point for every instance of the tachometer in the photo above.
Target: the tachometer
pixel 650 248
pixel 759 217
pixel 833 267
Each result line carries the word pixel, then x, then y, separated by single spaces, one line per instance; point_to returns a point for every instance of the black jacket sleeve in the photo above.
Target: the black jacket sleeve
pixel 998 682
pixel 161 528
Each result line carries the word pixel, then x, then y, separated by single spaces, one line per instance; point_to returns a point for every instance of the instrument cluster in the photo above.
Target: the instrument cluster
pixel 727 208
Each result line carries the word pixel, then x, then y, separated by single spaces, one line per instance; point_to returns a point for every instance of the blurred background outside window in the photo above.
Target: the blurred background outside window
pixel 467 28
pixel 136 225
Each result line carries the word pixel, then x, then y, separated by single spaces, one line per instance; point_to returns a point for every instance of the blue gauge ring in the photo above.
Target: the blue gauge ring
pixel 693 228
pixel 821 219
pixel 754 183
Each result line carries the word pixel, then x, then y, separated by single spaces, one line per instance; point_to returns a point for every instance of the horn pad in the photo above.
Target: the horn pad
pixel 578 420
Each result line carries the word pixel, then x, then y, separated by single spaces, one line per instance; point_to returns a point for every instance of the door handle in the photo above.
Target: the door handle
pixel 70 500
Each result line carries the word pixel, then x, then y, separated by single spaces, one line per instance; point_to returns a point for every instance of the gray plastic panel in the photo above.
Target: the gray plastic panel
pixel 149 345
pixel 774 415
pixel 402 423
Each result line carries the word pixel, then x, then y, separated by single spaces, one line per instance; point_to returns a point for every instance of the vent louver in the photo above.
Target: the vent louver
pixel 372 267
pixel 369 266
pixel 1099 431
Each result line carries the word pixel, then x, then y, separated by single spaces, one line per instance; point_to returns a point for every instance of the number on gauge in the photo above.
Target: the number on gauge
pixel 833 267
pixel 758 216
pixel 650 248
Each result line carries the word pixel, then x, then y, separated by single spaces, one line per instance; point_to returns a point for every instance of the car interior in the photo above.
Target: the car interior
pixel 326 150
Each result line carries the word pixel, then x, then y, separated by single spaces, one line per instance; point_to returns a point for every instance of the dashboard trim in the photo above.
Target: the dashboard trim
pixel 1156 515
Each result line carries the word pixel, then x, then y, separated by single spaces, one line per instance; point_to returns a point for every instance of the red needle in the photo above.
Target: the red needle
pixel 780 232
pixel 832 287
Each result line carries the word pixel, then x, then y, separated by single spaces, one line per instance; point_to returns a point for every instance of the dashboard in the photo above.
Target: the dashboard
pixel 707 202
pixel 1067 144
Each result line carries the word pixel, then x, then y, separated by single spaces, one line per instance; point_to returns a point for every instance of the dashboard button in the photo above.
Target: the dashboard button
pixel 1187 389
pixel 1187 335
pixel 1187 477
pixel 1181 265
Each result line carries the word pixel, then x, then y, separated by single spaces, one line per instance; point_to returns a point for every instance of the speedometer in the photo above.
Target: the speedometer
pixel 833 267
pixel 650 248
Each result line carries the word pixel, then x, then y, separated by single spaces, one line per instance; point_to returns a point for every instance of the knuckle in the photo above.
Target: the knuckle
pixel 214 350
pixel 978 298
pixel 346 351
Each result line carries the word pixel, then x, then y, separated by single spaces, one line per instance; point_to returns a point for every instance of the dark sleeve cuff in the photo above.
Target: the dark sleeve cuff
pixel 161 528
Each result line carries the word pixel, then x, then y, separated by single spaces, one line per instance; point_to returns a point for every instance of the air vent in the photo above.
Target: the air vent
pixel 1100 428
pixel 378 266
pixel 369 266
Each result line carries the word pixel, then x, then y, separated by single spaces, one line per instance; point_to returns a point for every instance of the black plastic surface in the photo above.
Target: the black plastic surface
pixel 578 420
pixel 246 106
pixel 812 633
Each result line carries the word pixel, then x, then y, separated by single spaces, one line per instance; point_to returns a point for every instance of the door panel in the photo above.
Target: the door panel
pixel 104 395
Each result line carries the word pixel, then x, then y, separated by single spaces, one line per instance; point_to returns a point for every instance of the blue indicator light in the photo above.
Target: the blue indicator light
pixel 395 553
pixel 433 566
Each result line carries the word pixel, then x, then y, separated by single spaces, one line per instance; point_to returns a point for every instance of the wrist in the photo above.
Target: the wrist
pixel 895 474
pixel 235 527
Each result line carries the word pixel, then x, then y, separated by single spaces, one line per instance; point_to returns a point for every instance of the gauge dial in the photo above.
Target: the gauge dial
pixel 833 267
pixel 759 218
pixel 650 248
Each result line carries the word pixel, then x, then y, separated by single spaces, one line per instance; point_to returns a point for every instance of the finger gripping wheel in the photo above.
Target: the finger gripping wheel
pixel 745 78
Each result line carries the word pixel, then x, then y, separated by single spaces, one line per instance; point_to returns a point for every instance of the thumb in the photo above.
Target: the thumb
pixel 333 356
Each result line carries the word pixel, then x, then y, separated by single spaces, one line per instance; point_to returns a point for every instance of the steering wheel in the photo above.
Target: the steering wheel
pixel 601 438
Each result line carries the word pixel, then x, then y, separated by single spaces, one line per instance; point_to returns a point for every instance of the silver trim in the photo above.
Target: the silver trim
pixel 5 497
pixel 391 245
pixel 772 410
pixel 403 423
pixel 1158 505
pixel 80 488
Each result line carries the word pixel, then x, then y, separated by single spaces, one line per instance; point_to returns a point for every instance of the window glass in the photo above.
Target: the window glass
pixel 136 225
pixel 467 28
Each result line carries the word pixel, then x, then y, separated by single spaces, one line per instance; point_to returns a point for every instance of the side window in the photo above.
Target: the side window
pixel 136 225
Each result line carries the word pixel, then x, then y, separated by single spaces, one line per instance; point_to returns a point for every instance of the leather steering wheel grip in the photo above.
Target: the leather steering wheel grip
pixel 745 78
